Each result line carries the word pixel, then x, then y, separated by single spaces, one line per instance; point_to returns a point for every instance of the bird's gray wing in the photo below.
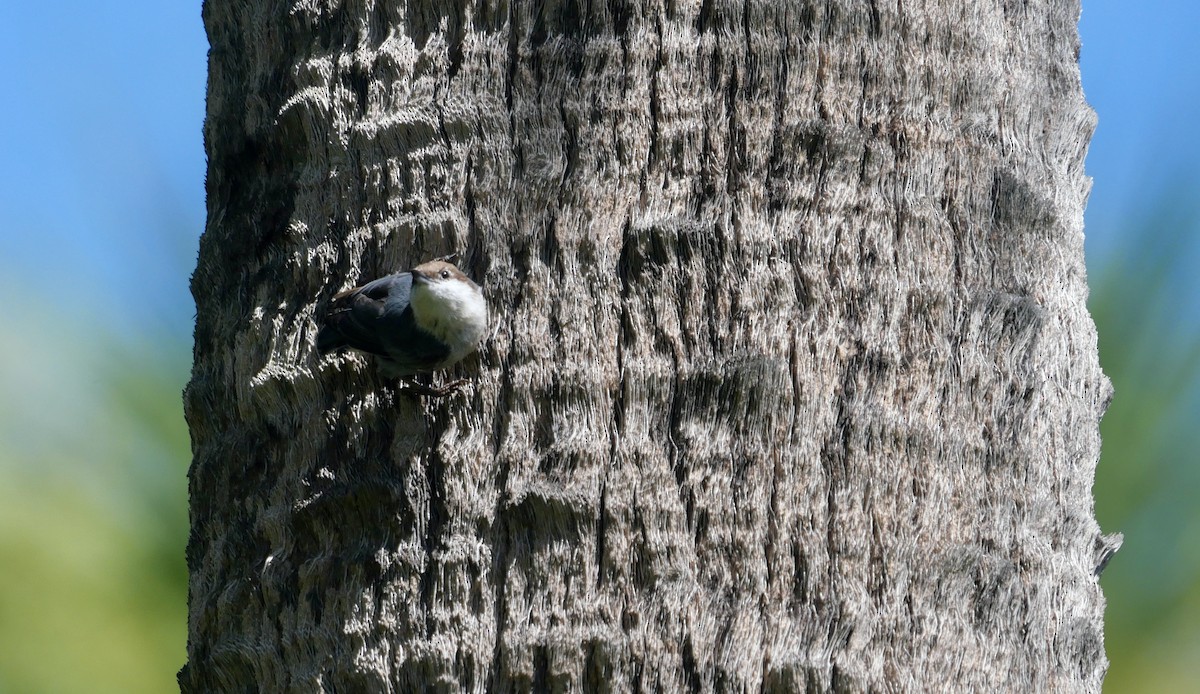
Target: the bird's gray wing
pixel 358 317
pixel 376 318
pixel 395 287
pixel 405 344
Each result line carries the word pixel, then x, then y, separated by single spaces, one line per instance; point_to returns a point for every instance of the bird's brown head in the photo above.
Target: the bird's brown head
pixel 437 271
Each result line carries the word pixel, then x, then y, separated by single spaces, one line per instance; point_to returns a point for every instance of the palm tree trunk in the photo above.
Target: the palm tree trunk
pixel 792 383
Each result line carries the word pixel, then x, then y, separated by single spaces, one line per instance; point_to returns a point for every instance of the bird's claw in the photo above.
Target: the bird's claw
pixel 434 391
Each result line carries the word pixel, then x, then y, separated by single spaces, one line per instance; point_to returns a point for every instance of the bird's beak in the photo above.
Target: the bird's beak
pixel 419 277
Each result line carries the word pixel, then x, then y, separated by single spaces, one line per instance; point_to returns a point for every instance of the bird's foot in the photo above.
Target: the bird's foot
pixel 434 391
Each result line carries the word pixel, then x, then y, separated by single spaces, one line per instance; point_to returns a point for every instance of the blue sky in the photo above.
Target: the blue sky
pixel 1141 72
pixel 102 155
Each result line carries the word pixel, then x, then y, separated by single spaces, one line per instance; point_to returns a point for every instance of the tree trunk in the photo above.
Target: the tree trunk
pixel 792 384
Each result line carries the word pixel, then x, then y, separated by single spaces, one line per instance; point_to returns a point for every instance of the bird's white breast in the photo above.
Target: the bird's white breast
pixel 453 311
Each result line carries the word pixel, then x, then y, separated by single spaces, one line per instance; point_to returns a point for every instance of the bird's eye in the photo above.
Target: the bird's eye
pixel 445 274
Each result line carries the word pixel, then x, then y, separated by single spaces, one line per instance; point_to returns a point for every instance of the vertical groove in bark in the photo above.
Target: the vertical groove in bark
pixel 792 382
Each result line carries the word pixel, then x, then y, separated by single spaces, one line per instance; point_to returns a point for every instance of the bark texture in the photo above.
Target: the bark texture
pixel 792 384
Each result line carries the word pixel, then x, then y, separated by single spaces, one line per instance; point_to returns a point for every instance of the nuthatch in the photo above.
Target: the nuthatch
pixel 413 322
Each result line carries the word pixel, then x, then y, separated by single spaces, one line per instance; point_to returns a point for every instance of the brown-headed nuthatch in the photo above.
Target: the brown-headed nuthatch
pixel 414 322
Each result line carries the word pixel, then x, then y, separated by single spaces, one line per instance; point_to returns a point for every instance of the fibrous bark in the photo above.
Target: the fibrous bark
pixel 792 383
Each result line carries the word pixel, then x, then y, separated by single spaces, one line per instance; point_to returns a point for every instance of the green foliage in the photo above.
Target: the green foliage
pixel 93 510
pixel 1147 485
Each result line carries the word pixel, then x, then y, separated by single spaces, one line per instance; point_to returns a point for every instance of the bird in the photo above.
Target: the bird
pixel 423 320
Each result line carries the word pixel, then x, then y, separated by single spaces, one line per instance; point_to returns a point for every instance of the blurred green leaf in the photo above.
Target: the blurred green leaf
pixel 93 510
pixel 1144 303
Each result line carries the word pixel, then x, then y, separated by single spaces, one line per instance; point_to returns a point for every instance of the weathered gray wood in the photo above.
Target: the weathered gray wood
pixel 792 384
